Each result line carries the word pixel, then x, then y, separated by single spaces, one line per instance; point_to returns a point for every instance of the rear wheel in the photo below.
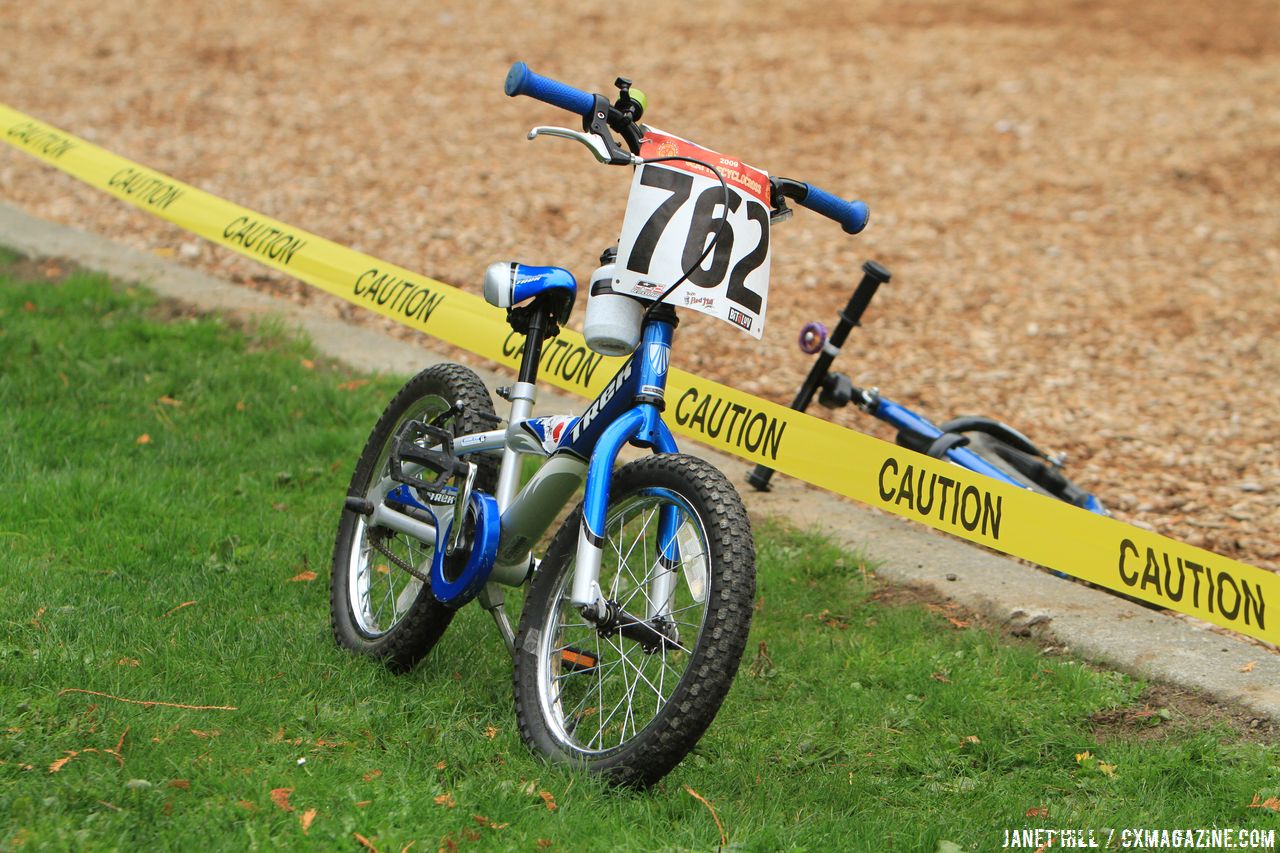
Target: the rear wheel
pixel 1031 471
pixel 629 698
pixel 379 603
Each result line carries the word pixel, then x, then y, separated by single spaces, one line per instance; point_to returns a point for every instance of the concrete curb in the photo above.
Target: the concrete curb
pixel 1087 622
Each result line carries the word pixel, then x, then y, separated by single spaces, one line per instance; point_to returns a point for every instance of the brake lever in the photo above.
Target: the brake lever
pixel 599 149
pixel 590 140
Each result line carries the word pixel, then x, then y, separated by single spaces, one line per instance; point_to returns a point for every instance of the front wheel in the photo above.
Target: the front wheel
pixel 629 703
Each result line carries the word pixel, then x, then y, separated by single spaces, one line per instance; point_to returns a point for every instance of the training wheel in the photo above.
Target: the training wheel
pixel 812 337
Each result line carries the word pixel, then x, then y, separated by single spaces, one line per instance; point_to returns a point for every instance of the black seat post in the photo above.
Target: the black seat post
pixel 540 323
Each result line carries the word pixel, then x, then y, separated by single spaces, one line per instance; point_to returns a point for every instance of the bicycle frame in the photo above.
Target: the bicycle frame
pixel 628 410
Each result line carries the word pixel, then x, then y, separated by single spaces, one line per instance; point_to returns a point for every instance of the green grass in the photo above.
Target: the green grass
pixel 867 726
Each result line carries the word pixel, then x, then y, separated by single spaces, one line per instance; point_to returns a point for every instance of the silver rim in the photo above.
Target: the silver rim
pixel 380 593
pixel 600 709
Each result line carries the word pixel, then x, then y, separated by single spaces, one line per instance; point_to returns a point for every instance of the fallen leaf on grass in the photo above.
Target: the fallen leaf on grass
pixel 762 666
pixel 144 439
pixel 59 763
pixel 371 775
pixel 1082 757
pixel 166 400
pixel 445 800
pixel 490 732
pixel 1038 811
pixel 307 575
pixel 941 677
pixel 35 620
pixel 209 734
pixel 488 824
pixel 958 623
pixel 353 384
pixel 306 818
pixel 1107 769
pixel 180 784
pixel 544 843
pixel 309 365
pixel 127 662
pixel 969 739
pixel 440 765
pixel 240 406
pixel 29 306
pixel 364 842
pixel 280 796
pixel 363 803
pixel 548 799
pixel 1248 667
pixel 1272 803
pixel 246 805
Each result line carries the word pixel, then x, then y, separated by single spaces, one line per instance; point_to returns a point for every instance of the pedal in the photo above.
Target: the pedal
pixel 443 462
pixel 576 660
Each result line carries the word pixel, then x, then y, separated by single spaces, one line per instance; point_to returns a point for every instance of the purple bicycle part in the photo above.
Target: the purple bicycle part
pixel 812 337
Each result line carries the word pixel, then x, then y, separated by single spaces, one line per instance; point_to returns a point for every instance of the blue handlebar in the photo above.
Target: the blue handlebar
pixel 852 215
pixel 522 81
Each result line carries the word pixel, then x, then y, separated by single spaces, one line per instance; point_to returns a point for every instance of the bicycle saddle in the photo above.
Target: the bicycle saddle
pixel 507 283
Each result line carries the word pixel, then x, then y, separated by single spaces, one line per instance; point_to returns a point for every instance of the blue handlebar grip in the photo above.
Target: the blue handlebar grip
pixel 522 81
pixel 852 215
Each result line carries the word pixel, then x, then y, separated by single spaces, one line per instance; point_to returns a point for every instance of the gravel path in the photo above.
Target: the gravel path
pixel 1080 202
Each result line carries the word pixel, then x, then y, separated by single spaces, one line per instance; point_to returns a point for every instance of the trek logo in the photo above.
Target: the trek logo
pixel 593 411
pixel 659 357
pixel 740 318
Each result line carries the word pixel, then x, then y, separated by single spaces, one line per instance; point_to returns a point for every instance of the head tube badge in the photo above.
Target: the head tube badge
pixel 659 357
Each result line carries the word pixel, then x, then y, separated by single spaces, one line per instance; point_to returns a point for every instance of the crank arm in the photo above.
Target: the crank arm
pixel 384 516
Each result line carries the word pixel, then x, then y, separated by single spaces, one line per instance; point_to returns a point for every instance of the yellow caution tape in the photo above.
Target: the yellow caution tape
pixel 1015 521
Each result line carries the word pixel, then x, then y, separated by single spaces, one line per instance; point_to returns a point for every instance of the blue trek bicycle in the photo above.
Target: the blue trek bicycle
pixel 637 614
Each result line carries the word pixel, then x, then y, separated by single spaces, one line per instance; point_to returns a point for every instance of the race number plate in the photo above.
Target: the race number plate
pixel 673 210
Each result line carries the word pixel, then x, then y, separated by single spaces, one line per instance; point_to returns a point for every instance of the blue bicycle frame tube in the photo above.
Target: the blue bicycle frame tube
pixel 628 408
pixel 903 418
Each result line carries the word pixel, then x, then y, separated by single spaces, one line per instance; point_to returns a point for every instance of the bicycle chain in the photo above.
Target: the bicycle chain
pixel 376 541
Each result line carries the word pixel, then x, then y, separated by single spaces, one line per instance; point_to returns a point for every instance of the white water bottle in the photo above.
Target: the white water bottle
pixel 613 319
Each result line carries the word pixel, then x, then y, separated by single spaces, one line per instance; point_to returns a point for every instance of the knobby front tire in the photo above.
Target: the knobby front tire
pixel 602 702
pixel 377 608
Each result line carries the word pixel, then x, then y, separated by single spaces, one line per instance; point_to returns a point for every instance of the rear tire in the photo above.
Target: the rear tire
pixel 1050 481
pixel 991 450
pixel 599 700
pixel 377 608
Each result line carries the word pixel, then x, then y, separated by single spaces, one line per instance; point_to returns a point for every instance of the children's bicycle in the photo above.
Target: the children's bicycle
pixel 981 444
pixel 637 614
